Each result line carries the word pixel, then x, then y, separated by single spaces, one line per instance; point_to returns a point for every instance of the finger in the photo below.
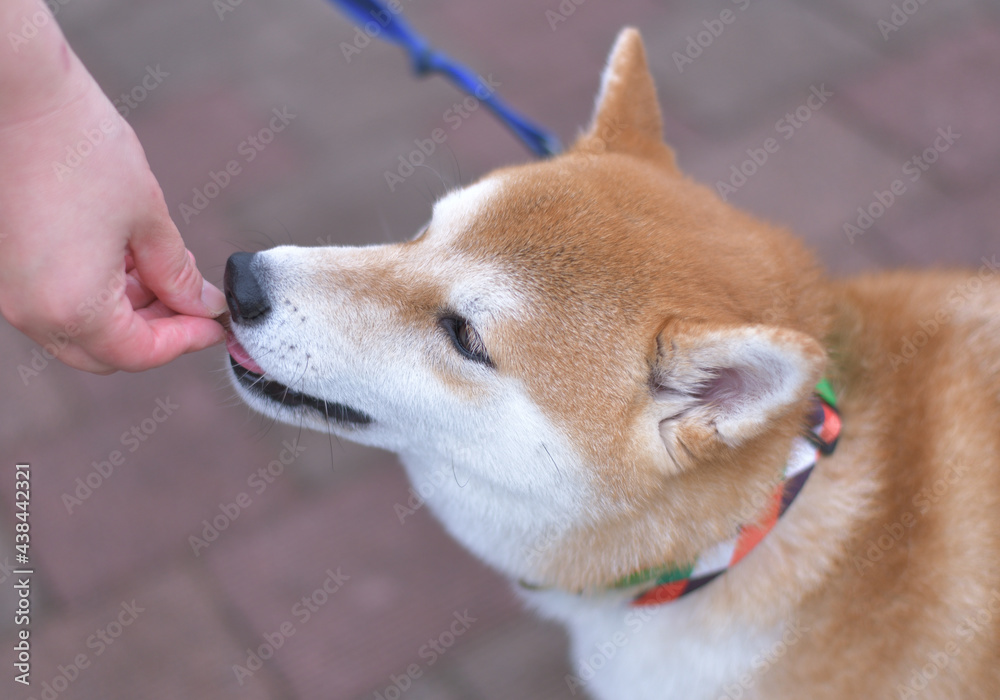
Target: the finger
pixel 130 342
pixel 169 271
pixel 155 310
pixel 139 295
pixel 163 340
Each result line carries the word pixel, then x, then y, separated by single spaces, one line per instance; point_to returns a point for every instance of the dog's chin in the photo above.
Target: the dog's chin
pixel 270 396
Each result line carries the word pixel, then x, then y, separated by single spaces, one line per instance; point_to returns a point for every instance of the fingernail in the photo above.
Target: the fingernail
pixel 213 298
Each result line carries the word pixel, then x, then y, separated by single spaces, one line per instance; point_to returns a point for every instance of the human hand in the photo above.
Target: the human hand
pixel 90 261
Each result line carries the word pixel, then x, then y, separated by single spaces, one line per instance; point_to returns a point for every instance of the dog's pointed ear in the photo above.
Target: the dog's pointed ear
pixel 627 115
pixel 729 383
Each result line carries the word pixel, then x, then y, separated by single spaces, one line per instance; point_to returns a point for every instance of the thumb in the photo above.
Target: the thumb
pixel 168 269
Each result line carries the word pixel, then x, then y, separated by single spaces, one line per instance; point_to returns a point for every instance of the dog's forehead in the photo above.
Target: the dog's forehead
pixel 600 242
pixel 476 285
pixel 549 229
pixel 456 212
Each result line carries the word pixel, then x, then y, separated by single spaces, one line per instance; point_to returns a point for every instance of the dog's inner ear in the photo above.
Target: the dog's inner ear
pixel 627 115
pixel 729 382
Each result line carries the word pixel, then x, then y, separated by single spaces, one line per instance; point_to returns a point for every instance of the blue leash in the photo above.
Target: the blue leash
pixel 426 60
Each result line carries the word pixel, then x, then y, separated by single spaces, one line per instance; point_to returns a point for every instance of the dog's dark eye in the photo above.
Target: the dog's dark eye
pixel 466 340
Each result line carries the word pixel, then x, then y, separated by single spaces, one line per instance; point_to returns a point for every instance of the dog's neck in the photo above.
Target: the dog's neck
pixel 667 582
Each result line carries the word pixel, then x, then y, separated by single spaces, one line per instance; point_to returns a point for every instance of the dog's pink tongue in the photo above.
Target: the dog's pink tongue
pixel 242 357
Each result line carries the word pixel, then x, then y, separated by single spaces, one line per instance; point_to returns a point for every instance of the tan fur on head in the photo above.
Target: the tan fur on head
pixel 639 289
pixel 651 355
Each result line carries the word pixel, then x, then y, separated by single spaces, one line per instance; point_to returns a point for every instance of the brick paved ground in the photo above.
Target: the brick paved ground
pixel 330 511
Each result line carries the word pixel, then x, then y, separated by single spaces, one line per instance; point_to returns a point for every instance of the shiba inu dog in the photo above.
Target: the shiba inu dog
pixel 642 388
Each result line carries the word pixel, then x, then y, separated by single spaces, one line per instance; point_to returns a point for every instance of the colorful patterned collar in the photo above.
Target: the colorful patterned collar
pixel 668 583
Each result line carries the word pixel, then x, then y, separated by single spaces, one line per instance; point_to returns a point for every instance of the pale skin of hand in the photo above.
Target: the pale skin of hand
pixel 90 261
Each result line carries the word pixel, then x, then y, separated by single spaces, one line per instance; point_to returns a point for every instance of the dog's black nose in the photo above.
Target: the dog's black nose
pixel 246 300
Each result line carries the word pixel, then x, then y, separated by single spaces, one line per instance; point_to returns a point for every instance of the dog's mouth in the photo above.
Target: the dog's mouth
pixel 250 375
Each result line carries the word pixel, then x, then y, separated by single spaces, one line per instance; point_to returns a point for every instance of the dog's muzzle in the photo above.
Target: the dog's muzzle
pixel 249 305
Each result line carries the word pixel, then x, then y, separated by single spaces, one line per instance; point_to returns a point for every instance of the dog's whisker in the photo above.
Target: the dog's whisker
pixel 551 459
pixel 454 475
pixel 288 234
pixel 427 191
